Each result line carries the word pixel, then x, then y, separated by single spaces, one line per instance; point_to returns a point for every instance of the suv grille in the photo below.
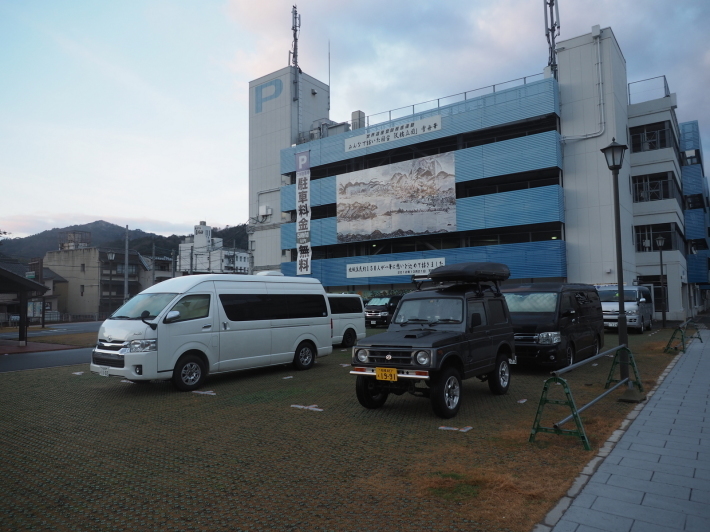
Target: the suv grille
pixel 396 357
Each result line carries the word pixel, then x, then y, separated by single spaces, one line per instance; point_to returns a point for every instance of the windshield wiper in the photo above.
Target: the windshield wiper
pixel 414 320
pixel 444 320
pixel 120 318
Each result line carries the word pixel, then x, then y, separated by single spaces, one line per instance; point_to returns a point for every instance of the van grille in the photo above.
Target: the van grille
pixel 110 347
pixel 531 338
pixel 103 359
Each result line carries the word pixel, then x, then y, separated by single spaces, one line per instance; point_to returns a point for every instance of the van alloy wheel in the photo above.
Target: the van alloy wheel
pixel 349 338
pixel 305 356
pixel 189 373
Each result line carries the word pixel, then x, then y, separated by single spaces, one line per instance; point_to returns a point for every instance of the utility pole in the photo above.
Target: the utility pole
pixel 153 263
pixel 191 250
pixel 172 260
pixel 125 270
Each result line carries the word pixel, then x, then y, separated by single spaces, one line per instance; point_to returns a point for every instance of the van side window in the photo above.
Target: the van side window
pixel 566 303
pixel 476 307
pixel 497 312
pixel 256 307
pixel 345 305
pixel 193 307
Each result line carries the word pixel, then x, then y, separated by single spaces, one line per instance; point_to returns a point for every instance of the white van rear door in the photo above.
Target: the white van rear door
pixel 245 337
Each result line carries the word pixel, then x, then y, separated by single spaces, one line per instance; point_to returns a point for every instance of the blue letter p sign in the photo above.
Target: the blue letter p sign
pixel 277 84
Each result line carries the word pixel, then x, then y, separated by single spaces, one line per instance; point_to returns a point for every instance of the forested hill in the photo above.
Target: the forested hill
pixel 108 235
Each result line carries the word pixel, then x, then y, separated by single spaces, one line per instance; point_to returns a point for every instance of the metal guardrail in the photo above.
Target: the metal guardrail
pixel 579 432
pixel 680 334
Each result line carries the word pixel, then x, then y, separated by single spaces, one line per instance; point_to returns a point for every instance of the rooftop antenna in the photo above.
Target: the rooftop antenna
pixel 328 74
pixel 293 61
pixel 552 30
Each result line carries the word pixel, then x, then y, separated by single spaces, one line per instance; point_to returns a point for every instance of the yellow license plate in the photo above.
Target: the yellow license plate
pixel 386 374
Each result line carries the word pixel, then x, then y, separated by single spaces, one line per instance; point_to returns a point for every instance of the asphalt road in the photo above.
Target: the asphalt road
pixel 56 329
pixel 45 359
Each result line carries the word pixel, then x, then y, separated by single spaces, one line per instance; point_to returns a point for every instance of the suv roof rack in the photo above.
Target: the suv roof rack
pixel 466 272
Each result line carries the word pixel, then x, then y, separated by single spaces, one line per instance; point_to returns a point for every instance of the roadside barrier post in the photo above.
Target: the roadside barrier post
pixel 579 431
pixel 680 334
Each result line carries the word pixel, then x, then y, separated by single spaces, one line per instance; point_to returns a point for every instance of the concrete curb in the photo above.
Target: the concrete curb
pixel 554 515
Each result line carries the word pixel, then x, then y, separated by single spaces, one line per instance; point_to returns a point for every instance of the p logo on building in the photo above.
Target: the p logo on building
pixel 265 92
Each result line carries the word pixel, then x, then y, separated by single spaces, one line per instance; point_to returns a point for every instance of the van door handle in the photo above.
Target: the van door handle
pixel 224 325
pixel 207 326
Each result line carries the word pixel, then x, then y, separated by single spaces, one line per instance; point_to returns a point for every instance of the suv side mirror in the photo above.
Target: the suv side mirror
pixel 172 316
pixel 568 313
pixel 475 320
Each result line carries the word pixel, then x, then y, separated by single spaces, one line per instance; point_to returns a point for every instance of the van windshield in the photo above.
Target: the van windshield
pixel 380 301
pixel 134 307
pixel 613 295
pixel 434 310
pixel 531 301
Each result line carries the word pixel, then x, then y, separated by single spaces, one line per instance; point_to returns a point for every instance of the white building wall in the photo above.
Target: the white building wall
pixel 274 125
pixel 587 181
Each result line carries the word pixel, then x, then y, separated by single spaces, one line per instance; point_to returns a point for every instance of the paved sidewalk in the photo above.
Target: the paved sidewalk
pixel 657 477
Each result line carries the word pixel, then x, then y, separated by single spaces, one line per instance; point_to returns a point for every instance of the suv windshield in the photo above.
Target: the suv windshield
pixel 613 295
pixel 531 301
pixel 132 309
pixel 434 310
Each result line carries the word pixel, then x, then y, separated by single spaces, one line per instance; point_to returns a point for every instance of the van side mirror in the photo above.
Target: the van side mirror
pixel 642 300
pixel 172 316
pixel 569 312
pixel 475 320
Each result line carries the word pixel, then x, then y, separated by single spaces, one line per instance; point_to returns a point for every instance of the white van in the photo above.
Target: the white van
pixel 638 306
pixel 348 315
pixel 188 327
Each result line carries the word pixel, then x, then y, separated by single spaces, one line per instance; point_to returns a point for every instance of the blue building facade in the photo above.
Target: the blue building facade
pixel 498 157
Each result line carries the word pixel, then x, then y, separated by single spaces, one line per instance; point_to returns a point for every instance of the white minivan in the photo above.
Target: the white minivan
pixel 189 327
pixel 348 315
pixel 638 305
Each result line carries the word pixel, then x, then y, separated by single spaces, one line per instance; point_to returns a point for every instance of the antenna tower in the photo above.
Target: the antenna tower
pixel 293 61
pixel 552 30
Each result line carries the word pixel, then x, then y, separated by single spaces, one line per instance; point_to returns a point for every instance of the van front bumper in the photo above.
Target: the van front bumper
pixel 540 354
pixel 131 366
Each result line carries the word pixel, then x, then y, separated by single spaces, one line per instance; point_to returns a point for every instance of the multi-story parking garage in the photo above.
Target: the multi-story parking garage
pixel 511 173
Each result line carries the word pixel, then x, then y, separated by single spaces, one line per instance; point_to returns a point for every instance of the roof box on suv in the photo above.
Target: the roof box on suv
pixel 471 272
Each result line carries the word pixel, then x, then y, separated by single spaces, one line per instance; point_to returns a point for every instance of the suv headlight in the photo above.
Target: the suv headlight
pixel 141 346
pixel 361 355
pixel 549 338
pixel 423 358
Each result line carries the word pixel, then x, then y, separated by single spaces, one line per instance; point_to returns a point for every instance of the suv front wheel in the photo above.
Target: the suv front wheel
pixel 499 378
pixel 445 393
pixel 368 393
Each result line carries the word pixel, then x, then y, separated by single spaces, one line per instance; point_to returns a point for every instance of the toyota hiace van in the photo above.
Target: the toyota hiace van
pixel 186 328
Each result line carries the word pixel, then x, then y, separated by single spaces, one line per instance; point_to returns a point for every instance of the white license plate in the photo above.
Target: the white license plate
pixel 610 324
pixel 373 323
pixel 103 371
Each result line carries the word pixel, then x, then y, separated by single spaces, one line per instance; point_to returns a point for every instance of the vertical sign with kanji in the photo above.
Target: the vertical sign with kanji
pixel 303 212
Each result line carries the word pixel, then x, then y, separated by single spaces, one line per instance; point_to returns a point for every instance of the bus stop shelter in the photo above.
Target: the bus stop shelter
pixel 13 281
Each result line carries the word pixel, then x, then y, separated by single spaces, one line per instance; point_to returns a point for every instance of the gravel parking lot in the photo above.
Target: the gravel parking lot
pixel 83 452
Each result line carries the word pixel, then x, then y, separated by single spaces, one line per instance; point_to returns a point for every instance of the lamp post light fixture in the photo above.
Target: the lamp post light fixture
pixel 614 154
pixel 111 256
pixel 659 242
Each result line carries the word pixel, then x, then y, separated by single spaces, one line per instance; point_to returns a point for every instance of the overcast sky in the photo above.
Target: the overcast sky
pixel 135 112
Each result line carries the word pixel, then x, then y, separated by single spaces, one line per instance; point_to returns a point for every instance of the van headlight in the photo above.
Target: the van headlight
pixel 423 358
pixel 361 355
pixel 141 346
pixel 632 312
pixel 384 314
pixel 549 338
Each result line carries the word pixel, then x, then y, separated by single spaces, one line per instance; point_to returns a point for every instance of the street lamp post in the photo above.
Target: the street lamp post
pixel 659 242
pixel 614 154
pixel 111 255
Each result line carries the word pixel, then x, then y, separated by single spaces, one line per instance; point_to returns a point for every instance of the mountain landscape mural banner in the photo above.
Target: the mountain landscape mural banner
pixel 410 198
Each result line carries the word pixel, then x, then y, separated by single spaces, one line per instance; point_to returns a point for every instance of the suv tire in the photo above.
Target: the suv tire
pixel 367 393
pixel 445 393
pixel 499 378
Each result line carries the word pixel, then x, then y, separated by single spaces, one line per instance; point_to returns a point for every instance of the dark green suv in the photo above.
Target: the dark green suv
pixel 456 328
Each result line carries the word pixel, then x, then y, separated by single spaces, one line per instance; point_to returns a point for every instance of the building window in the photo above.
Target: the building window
pixel 646 237
pixel 653 137
pixel 120 268
pixel 656 187
pixel 81 289
pixel 83 267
